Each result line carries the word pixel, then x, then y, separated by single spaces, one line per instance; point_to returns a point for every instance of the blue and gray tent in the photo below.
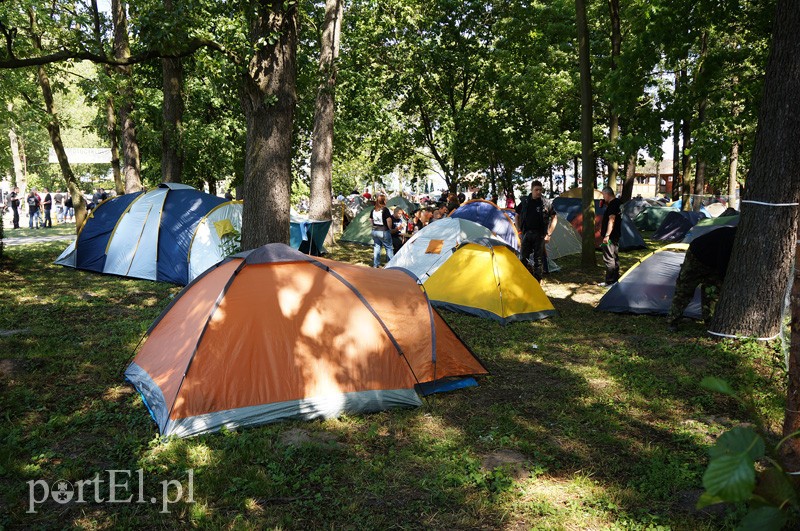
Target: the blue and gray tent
pixel 676 225
pixel 648 286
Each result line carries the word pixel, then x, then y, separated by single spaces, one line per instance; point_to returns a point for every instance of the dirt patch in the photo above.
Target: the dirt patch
pixel 686 502
pixel 299 437
pixel 10 368
pixel 512 460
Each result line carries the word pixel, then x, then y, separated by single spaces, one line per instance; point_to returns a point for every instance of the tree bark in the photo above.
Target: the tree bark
pixel 111 128
pixel 130 145
pixel 19 173
pixel 268 98
pixel 733 169
pixel 322 135
pixel 765 240
pixel 700 170
pixel 686 160
pixel 676 149
pixel 54 129
pixel 588 258
pixel 172 112
pixel 630 177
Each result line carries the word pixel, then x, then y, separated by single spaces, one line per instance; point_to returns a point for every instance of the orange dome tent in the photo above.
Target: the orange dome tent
pixel 274 334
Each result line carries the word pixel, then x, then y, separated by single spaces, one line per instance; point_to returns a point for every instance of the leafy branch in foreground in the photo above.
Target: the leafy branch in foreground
pixel 731 475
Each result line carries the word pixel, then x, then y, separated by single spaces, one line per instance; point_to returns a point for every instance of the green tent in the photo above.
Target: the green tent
pixel 360 229
pixel 651 217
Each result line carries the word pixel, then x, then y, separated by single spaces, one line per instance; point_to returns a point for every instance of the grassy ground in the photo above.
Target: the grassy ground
pixel 602 425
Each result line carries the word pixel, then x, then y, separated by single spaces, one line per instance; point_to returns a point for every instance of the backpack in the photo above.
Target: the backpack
pixel 31 201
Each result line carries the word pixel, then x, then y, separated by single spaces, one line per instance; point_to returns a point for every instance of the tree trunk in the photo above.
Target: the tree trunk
pixel 322 136
pixel 19 174
pixel 765 240
pixel 54 129
pixel 676 150
pixel 686 160
pixel 268 98
pixel 630 178
pixel 588 258
pixel 613 126
pixel 791 421
pixel 172 111
pixel 130 145
pixel 733 168
pixel 111 128
pixel 700 171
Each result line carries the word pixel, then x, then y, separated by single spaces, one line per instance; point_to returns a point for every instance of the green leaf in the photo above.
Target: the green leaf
pixel 707 499
pixel 763 519
pixel 718 385
pixel 730 477
pixel 737 441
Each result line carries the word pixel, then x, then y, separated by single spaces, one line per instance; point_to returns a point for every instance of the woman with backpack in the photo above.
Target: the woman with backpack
pixel 382 225
pixel 33 202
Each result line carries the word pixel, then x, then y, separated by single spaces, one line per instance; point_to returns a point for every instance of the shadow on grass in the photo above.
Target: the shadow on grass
pixel 606 412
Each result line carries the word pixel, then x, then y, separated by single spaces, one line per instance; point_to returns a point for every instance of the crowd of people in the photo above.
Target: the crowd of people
pixel 41 207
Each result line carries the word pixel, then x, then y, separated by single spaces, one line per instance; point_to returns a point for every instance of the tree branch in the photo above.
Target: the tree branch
pixel 11 61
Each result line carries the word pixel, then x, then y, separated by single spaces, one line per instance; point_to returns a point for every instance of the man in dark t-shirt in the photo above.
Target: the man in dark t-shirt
pixel 705 265
pixel 611 230
pixel 536 219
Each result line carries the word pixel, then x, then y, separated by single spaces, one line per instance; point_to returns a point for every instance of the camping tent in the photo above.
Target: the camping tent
pixel 578 193
pixel 570 207
pixel 651 217
pixel 273 334
pixel 648 286
pixel 427 249
pixel 707 225
pixel 485 278
pixel 630 238
pixel 464 269
pixel 715 209
pixel 492 217
pixel 676 225
pixel 171 234
pixel 564 241
pixel 635 206
pixel 359 230
pixel 308 235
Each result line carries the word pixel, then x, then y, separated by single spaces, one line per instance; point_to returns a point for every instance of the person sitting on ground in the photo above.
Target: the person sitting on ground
pixel 705 265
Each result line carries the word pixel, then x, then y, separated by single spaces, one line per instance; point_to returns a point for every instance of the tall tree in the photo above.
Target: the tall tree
pixel 588 258
pixel 322 136
pixel 268 98
pixel 767 232
pixel 122 52
pixel 172 109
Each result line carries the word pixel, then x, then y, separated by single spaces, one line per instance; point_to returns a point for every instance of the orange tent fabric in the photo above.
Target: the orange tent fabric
pixel 272 334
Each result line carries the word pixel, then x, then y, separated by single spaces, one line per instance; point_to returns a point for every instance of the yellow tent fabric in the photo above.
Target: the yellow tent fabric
pixel 485 278
pixel 223 227
pixel 578 192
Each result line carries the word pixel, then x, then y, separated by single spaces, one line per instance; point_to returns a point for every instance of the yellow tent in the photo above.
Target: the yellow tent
pixel 578 192
pixel 485 278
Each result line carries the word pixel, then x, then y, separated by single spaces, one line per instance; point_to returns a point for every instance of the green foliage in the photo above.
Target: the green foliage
pixel 731 475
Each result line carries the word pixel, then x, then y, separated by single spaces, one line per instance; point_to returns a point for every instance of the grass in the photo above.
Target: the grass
pixel 603 425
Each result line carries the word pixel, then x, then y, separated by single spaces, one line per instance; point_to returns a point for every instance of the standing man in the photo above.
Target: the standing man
pixel 58 200
pixel 14 200
pixel 47 206
pixel 537 220
pixel 611 230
